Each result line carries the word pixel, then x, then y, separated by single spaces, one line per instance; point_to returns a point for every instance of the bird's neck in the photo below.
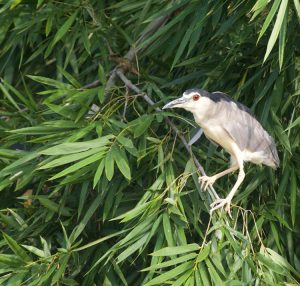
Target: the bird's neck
pixel 200 118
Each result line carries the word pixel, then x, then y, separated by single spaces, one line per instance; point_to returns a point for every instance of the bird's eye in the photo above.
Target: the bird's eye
pixel 196 97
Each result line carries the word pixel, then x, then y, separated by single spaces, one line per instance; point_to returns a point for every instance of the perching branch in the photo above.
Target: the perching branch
pixel 134 88
pixel 129 56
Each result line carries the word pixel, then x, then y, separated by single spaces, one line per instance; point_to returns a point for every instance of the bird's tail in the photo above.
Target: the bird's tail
pixel 273 160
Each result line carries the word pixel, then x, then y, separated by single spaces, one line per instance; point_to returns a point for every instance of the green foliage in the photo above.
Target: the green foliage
pixel 95 188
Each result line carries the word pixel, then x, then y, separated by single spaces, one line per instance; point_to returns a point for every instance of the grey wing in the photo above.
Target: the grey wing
pixel 237 122
pixel 248 134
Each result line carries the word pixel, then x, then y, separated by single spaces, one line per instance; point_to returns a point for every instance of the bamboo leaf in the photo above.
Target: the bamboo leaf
pixel 297 7
pixel 98 173
pixel 71 158
pixel 269 18
pixel 277 27
pixel 133 213
pixel 143 124
pixel 293 197
pixel 168 229
pixel 169 251
pixel 121 160
pixel 171 274
pixel 109 165
pixel 171 262
pixel 132 248
pixel 71 148
pixel 282 39
pixel 16 248
pixel 203 254
pixel 87 161
pixel 80 227
pixel 64 29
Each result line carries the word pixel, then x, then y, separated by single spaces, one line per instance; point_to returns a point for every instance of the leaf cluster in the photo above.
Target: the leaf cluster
pixel 95 187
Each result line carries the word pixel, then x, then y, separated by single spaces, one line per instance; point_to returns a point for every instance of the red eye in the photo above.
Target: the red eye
pixel 196 97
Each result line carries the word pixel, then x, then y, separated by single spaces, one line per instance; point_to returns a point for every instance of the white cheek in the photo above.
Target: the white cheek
pixel 202 105
pixel 200 110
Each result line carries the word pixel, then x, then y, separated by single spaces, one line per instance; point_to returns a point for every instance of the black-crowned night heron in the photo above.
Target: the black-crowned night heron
pixel 232 126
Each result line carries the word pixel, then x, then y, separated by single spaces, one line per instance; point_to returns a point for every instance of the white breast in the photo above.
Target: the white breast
pixel 218 134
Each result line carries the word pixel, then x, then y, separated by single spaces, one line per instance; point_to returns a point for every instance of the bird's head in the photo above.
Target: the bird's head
pixel 192 100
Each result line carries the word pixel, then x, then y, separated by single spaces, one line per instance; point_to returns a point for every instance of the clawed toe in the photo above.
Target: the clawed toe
pixel 205 182
pixel 220 203
pixel 217 201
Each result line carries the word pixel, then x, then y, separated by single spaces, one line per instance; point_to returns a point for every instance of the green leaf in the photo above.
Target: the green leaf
pixel 49 25
pixel 72 158
pixel 16 248
pixel 143 124
pixel 187 279
pixel 182 45
pixel 278 259
pixel 125 142
pixel 34 250
pixel 269 263
pixel 171 274
pixel 76 147
pixel 87 161
pixel 295 123
pixel 213 273
pixel 109 165
pixel 14 3
pixel 86 40
pixel 69 77
pixel 98 173
pixel 100 240
pixel 49 81
pixel 259 4
pixel 63 30
pixel 63 263
pixel 282 39
pixel 9 97
pixel 133 213
pixel 277 27
pixel 203 254
pixel 101 94
pixel 171 262
pixel 168 229
pixel 138 230
pixel 293 196
pixel 101 74
pixel 269 18
pixel 91 210
pixel 169 251
pixel 119 156
pixel 49 204
pixel 297 7
pixel 11 260
pixel 132 248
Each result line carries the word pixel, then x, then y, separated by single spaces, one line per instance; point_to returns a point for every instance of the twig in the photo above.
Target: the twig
pixel 133 87
pixel 130 55
pixel 91 84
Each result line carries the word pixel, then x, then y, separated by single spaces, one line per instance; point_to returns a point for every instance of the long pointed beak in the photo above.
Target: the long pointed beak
pixel 175 103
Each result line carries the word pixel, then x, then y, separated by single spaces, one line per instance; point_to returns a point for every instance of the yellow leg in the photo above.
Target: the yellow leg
pixel 206 181
pixel 219 203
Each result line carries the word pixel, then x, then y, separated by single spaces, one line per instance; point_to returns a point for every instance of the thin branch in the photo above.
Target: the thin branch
pixel 93 84
pixel 131 54
pixel 133 87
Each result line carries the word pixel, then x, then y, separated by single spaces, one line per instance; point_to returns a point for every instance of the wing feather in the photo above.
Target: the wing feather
pixel 246 131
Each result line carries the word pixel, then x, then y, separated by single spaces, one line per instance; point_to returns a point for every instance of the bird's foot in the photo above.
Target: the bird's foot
pixel 206 181
pixel 220 203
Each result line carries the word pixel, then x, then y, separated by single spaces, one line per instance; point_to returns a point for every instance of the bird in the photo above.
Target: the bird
pixel 233 126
